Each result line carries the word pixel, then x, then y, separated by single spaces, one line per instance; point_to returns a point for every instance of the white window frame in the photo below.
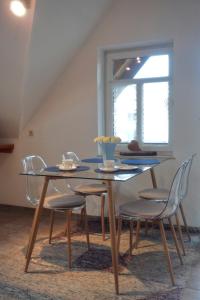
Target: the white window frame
pixel 103 91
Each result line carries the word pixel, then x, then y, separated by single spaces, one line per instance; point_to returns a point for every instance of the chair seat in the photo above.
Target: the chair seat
pixel 142 209
pixel 90 189
pixel 154 193
pixel 64 201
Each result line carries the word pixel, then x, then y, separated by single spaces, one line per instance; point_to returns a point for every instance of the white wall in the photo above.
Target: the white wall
pixel 59 29
pixel 34 51
pixel 68 118
pixel 14 37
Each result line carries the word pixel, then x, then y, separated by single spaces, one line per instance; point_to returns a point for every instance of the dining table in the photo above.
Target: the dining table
pixel 90 169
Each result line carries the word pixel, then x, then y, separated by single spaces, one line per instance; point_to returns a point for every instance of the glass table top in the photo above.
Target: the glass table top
pixel 92 172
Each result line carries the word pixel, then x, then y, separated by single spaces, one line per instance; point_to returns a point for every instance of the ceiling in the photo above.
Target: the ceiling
pixel 35 50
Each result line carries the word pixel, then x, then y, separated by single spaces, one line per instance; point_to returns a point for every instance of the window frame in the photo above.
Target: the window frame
pixel 104 81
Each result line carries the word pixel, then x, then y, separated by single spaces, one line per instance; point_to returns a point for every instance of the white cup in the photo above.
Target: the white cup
pixel 68 163
pixel 109 164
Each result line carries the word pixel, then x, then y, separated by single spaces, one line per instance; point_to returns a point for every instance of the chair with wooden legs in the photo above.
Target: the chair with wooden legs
pixel 155 211
pixel 162 195
pixel 92 189
pixel 98 190
pixel 54 201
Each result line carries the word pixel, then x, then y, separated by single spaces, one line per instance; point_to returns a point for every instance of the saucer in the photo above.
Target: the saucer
pixel 105 169
pixel 62 168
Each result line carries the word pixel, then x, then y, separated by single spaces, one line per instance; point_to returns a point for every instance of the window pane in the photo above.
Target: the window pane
pixel 155 66
pixel 125 113
pixel 155 124
pixel 127 68
pixel 141 67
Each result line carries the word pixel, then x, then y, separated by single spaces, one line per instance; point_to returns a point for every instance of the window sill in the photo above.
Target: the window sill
pixel 159 153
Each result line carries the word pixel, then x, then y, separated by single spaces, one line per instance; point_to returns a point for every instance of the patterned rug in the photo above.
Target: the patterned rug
pixel 142 276
pixel 12 292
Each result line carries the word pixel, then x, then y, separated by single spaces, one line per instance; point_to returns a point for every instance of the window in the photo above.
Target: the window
pixel 137 95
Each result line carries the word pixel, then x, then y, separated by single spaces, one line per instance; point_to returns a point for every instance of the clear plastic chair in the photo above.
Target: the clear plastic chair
pixel 71 156
pixel 162 194
pixel 92 189
pixel 55 199
pixel 142 210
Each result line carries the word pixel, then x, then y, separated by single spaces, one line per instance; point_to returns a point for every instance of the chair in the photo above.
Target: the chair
pixel 162 194
pixel 156 211
pixel 98 189
pixel 55 200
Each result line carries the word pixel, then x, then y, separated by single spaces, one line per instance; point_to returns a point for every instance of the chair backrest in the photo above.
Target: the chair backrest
pixel 175 194
pixel 185 181
pixel 34 184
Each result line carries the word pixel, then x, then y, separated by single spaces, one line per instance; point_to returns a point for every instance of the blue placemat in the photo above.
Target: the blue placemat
pixel 119 172
pixel 96 160
pixel 140 161
pixel 56 169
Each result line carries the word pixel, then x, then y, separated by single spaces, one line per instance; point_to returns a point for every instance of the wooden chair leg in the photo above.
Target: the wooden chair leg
pixel 153 226
pixel 86 227
pixel 131 237
pixel 82 218
pixel 184 221
pixel 119 229
pixel 166 251
pixel 103 216
pixel 65 229
pixel 175 240
pixel 137 234
pixel 180 233
pixel 51 225
pixel 69 238
pixel 146 227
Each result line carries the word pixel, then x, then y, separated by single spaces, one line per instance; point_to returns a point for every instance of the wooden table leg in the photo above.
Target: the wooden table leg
pixel 154 183
pixel 153 178
pixel 113 239
pixel 35 223
pixel 103 217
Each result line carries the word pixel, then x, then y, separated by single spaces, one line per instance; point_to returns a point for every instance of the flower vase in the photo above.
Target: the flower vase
pixel 107 150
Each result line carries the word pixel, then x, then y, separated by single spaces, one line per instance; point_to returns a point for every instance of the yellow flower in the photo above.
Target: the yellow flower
pixel 98 139
pixel 107 139
pixel 115 139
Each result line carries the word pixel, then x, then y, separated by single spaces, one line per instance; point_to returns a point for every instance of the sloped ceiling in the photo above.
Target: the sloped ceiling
pixel 35 50
pixel 14 37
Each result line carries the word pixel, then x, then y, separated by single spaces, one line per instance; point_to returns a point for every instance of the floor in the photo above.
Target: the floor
pixel 142 276
pixel 192 289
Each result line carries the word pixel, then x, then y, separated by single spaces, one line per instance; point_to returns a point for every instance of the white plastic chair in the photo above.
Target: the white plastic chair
pixel 55 199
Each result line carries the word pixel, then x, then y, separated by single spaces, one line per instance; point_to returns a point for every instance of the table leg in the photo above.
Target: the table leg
pixel 35 223
pixel 113 239
pixel 154 183
pixel 153 178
